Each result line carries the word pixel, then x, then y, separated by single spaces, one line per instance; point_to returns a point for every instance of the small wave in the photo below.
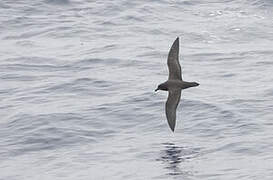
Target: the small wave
pixel 17 77
pixel 33 67
pixel 88 86
pixel 89 63
pixel 261 3
pixel 58 2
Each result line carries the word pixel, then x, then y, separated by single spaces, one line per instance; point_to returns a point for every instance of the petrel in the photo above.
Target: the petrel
pixel 174 84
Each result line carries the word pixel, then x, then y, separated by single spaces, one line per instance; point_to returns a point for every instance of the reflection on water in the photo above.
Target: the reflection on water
pixel 172 156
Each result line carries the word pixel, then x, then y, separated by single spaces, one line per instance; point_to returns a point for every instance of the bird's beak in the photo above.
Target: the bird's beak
pixel 156 89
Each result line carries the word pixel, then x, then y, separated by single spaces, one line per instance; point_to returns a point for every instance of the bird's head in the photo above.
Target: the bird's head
pixel 162 87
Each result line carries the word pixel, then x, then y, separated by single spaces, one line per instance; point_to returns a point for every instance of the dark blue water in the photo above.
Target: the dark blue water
pixel 77 80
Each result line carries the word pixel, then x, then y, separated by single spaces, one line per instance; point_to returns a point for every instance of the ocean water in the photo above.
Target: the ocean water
pixel 77 80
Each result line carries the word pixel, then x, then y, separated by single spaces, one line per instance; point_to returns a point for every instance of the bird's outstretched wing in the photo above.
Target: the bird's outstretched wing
pixel 171 105
pixel 173 62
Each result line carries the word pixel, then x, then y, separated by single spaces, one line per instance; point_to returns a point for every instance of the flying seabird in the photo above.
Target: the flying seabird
pixel 174 84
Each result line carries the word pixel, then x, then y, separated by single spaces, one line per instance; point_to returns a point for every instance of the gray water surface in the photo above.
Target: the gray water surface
pixel 77 80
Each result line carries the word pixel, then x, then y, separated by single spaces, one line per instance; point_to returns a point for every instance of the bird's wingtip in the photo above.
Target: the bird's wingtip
pixel 175 44
pixel 172 126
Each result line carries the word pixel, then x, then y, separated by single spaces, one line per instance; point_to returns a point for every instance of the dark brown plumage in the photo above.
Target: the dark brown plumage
pixel 174 84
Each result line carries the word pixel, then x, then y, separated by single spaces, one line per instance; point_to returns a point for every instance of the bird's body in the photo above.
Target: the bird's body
pixel 174 84
pixel 177 84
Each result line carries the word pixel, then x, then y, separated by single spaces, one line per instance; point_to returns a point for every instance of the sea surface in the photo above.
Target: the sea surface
pixel 77 81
